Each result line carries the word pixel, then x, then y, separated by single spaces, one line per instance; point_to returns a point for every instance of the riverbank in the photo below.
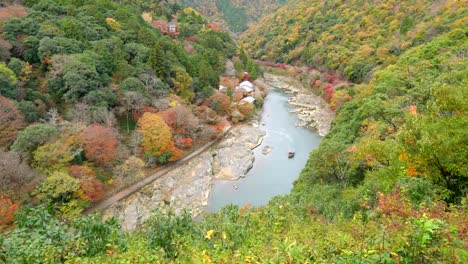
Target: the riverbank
pixel 313 112
pixel 189 186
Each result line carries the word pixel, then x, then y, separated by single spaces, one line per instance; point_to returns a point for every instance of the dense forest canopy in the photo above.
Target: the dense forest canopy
pixel 388 184
pixel 354 37
pixel 94 92
pixel 235 15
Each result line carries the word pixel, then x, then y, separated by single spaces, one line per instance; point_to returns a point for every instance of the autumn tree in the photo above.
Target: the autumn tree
pixel 8 208
pixel 132 168
pixel 7 81
pixel 61 192
pixel 53 157
pixel 99 143
pixel 14 173
pixel 221 103
pixel 182 83
pixel 181 120
pixel 157 136
pixel 92 188
pixel 246 109
pixel 11 120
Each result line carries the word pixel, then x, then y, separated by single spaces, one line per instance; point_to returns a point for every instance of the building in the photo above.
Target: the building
pixel 247 86
pixel 165 28
pixel 172 28
pixel 248 99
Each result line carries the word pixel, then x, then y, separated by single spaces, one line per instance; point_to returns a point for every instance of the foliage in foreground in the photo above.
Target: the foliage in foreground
pixel 286 231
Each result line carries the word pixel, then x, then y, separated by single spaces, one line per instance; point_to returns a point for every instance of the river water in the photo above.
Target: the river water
pixel 272 174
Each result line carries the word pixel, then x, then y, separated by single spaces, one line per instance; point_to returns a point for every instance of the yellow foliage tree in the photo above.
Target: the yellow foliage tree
pixel 182 82
pixel 157 136
pixel 112 23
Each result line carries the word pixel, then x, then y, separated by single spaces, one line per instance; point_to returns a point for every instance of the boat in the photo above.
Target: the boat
pixel 291 154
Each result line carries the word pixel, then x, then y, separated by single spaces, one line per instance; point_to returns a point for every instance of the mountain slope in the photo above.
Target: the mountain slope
pixel 354 37
pixel 235 15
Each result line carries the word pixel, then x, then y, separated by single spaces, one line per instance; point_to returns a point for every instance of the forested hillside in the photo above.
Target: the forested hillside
pixel 93 95
pixel 353 37
pixel 235 15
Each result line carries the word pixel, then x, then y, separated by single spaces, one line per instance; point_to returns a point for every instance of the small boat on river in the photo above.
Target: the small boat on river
pixel 291 154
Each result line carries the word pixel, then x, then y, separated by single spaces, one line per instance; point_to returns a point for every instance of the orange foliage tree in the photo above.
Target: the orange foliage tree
pixel 157 136
pixel 221 103
pixel 92 187
pixel 11 120
pixel 8 209
pixel 245 109
pixel 99 143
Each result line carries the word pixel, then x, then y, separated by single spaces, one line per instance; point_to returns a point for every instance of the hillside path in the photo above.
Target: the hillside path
pixel 107 202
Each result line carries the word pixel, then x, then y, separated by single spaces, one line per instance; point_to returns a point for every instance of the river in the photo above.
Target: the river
pixel 272 174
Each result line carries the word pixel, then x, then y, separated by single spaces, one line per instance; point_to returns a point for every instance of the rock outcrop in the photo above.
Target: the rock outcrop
pixel 311 110
pixel 188 186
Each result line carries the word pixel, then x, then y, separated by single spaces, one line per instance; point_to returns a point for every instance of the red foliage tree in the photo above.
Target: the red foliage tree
pixel 184 142
pixel 99 143
pixel 11 120
pixel 328 88
pixel 8 208
pixel 92 187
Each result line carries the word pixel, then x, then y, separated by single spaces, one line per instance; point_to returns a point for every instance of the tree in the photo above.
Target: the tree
pixel 52 157
pixel 60 191
pixel 133 84
pixel 8 208
pixel 221 103
pixel 99 144
pixel 246 109
pixel 437 149
pixel 158 61
pixel 14 173
pixel 30 111
pixel 92 187
pixel 72 79
pixel 32 137
pixel 181 120
pixel 7 81
pixel 132 168
pixel 11 120
pixel 157 136
pixel 182 83
pixel 207 79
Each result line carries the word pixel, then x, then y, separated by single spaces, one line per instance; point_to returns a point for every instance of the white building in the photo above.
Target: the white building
pixel 248 99
pixel 247 86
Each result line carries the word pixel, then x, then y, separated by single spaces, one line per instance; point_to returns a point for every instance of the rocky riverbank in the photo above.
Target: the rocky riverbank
pixel 312 111
pixel 189 186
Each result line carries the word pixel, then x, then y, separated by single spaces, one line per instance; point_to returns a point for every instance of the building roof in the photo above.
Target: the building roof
pixel 246 85
pixel 248 99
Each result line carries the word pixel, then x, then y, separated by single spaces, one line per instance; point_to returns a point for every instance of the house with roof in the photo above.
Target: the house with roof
pixel 248 99
pixel 166 28
pixel 247 86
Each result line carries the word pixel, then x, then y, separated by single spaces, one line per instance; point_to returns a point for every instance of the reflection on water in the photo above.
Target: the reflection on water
pixel 272 174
